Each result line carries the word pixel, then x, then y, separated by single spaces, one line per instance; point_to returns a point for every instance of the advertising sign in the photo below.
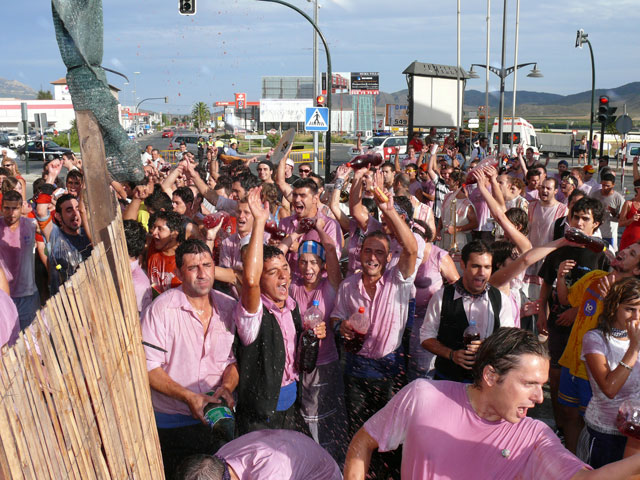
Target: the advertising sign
pixel 396 115
pixel 283 110
pixel 340 82
pixel 365 83
pixel 241 101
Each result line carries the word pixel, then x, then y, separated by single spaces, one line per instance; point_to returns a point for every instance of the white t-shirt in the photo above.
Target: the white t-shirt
pixel 444 438
pixel 602 411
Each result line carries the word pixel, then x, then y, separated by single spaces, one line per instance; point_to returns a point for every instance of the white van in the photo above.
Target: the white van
pixel 523 134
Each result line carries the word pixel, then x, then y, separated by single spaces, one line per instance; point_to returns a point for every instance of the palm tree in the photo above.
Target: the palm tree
pixel 201 114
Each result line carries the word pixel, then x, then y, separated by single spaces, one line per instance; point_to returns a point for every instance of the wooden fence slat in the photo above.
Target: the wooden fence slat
pixel 75 390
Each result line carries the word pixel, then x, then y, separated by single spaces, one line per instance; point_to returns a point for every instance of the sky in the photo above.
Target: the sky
pixel 229 45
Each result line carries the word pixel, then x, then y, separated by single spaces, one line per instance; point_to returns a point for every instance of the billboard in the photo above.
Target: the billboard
pixel 241 101
pixel 284 110
pixel 435 101
pixel 341 82
pixel 365 83
pixel 397 115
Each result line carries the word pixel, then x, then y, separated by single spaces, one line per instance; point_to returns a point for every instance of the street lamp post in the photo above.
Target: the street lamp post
pixel 316 89
pixel 327 160
pixel 135 99
pixel 166 100
pixel 581 38
pixel 503 73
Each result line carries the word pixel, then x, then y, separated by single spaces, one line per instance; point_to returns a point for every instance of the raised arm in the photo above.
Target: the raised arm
pixel 333 262
pixel 253 262
pixel 433 170
pixel 281 178
pixel 402 232
pixel 358 211
pixel 334 202
pixel 169 182
pixel 507 273
pixel 207 192
pixel 139 194
pixel 518 238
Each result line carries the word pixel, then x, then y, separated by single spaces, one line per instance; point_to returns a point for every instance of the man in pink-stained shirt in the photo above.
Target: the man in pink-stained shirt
pixel 266 455
pixel 305 205
pixel 479 430
pixel 384 294
pixel 268 324
pixel 189 334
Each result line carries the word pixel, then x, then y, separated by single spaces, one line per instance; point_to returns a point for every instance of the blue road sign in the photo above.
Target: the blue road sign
pixel 317 119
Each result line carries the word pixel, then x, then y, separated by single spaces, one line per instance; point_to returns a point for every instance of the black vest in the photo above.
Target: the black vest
pixel 261 366
pixel 453 322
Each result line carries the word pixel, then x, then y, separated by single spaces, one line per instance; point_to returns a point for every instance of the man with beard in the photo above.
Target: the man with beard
pixel 68 242
pixel 165 231
pixel 269 326
pixel 194 325
pixel 587 295
pixel 554 318
pixel 304 208
pixel 451 309
pixel 384 293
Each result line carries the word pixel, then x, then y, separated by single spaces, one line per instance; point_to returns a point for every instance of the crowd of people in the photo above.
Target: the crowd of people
pixel 230 267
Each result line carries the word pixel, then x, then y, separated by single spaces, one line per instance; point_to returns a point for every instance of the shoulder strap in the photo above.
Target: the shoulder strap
pixel 447 299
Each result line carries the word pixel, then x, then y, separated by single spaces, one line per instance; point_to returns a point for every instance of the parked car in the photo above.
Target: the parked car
pixel 34 150
pixel 167 133
pixel 385 146
pixel 4 139
pixel 190 140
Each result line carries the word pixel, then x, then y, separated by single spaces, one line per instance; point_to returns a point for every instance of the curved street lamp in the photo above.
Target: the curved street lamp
pixel 503 73
pixel 327 162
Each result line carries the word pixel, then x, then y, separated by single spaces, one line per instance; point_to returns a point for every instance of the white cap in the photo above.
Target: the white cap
pixel 290 162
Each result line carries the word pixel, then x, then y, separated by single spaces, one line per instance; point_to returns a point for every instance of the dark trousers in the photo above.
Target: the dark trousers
pixel 605 448
pixel 364 397
pixel 179 443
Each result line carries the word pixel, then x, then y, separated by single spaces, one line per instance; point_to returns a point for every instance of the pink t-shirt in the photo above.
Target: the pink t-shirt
pixel 273 454
pixel 387 310
pixel 194 359
pixel 444 438
pixel 9 323
pixel 326 295
pixel 248 325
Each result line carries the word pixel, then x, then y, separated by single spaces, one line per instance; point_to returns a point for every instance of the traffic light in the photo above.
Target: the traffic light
pixel 605 111
pixel 320 100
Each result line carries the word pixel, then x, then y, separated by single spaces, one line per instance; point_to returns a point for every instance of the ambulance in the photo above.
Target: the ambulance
pixel 523 134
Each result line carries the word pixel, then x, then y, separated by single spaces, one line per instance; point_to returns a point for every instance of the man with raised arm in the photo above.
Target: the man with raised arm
pixel 269 325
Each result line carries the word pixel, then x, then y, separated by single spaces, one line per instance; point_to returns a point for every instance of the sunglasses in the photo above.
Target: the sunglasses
pixel 305 171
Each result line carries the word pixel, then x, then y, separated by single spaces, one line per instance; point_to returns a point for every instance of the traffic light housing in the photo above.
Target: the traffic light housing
pixel 605 111
pixel 320 100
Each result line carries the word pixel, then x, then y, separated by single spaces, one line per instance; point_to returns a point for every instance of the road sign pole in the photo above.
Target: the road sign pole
pixel 25 125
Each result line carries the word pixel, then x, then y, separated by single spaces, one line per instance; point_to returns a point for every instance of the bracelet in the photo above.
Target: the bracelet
pixel 625 365
pixel 338 184
pixel 451 355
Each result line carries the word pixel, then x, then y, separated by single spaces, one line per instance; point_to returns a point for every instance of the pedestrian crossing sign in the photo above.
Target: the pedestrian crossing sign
pixel 317 119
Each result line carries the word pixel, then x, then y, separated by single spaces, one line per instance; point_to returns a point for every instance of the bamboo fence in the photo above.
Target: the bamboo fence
pixel 74 388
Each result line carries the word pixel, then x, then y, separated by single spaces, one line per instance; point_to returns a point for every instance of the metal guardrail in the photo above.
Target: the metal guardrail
pixel 298 156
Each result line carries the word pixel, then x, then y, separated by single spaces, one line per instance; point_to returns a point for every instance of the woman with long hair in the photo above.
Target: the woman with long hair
pixel 611 355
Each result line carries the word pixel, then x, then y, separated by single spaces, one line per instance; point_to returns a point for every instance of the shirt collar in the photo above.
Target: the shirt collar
pixel 289 305
pixel 460 291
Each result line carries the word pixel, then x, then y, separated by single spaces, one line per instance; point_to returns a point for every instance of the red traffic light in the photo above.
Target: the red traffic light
pixel 604 100
pixel 320 100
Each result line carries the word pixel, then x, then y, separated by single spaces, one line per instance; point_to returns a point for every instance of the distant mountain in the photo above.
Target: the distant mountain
pixel 540 103
pixel 15 89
